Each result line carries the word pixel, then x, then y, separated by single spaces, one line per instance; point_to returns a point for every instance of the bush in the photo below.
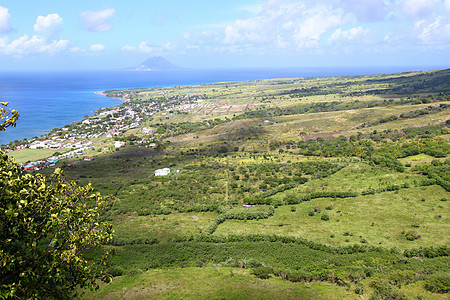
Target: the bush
pixel 116 271
pixel 438 283
pixel 383 290
pixel 359 289
pixel 402 277
pixel 428 252
pixel 412 235
pixel 262 272
pixel 325 217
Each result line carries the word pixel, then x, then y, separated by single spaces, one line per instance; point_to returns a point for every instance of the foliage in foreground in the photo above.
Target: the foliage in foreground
pixel 46 225
pixel 44 229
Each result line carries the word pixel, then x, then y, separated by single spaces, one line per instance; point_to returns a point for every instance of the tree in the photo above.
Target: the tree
pixel 7 117
pixel 46 227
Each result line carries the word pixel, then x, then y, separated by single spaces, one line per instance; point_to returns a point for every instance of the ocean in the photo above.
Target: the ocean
pixel 47 100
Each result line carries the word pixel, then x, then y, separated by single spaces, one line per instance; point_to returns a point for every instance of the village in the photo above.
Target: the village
pixel 105 130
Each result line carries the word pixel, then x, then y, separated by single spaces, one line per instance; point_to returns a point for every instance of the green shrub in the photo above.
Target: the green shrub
pixel 412 235
pixel 262 272
pixel 325 217
pixel 402 277
pixel 116 271
pixel 359 289
pixel 438 283
pixel 384 290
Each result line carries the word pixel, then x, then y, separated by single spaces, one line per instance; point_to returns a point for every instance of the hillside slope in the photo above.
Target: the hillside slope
pixel 340 181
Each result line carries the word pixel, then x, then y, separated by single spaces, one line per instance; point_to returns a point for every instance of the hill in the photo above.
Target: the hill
pixel 156 63
pixel 330 187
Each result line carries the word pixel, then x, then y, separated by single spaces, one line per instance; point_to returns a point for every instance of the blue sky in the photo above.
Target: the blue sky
pixel 113 34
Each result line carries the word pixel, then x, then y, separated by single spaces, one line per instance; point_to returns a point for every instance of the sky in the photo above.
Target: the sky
pixel 114 34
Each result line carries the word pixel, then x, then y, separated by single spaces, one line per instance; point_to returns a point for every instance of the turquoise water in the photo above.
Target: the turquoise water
pixel 47 100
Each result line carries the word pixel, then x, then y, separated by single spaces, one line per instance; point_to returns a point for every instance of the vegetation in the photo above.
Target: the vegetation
pixel 331 187
pixel 46 228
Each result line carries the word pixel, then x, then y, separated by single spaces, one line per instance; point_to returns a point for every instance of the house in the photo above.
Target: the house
pixel 162 172
pixel 119 144
pixel 29 167
pixel 52 160
pixel 37 145
pixel 88 158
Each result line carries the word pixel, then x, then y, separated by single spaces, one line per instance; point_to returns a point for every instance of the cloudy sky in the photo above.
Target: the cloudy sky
pixel 100 34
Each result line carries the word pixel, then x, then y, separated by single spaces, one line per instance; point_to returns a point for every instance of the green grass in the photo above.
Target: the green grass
pixel 417 159
pixel 380 219
pixel 212 283
pixel 357 177
pixel 25 155
pixel 163 227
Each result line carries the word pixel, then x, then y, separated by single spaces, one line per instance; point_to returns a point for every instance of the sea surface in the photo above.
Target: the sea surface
pixel 47 100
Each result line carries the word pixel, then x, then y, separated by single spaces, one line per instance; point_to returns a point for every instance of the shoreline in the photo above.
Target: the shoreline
pixel 106 96
pixel 167 84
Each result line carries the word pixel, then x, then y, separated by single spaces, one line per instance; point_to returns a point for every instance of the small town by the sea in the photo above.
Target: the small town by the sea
pixel 98 133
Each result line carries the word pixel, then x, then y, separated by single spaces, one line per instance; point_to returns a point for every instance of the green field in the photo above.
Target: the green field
pixel 346 182
pixel 26 155
pixel 212 283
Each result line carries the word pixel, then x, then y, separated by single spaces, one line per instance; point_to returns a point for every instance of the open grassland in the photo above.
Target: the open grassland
pixel 227 283
pixel 26 155
pixel 162 227
pixel 212 283
pixel 324 188
pixel 376 220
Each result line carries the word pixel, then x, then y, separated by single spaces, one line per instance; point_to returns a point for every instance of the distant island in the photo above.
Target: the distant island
pixel 156 63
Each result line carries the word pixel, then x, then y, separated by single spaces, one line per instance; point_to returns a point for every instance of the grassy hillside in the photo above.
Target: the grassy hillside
pixel 308 188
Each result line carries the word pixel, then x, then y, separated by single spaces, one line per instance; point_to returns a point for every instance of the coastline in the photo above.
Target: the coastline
pixel 104 94
pixel 51 103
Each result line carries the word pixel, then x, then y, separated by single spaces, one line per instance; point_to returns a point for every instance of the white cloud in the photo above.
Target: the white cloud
pixel 36 44
pixel 97 21
pixel 436 32
pixel 4 20
pixel 447 4
pixel 43 42
pixel 309 32
pixel 77 50
pixel 143 47
pixel 97 47
pixel 285 25
pixel 356 35
pixel 367 10
pixel 419 8
pixel 48 26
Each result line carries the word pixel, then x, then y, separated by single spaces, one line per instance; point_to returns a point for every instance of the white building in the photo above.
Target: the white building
pixel 119 144
pixel 162 172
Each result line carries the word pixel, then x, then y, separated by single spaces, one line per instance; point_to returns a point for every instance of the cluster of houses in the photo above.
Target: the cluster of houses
pixel 40 164
pixel 108 123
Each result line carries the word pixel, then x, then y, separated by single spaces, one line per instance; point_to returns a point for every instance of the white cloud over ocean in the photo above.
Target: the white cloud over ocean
pixel 97 21
pixel 48 26
pixel 5 25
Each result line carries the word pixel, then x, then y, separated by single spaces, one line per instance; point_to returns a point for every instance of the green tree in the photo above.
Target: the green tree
pixel 7 117
pixel 47 225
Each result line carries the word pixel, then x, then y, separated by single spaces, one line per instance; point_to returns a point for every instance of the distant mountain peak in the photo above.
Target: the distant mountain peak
pixel 156 63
